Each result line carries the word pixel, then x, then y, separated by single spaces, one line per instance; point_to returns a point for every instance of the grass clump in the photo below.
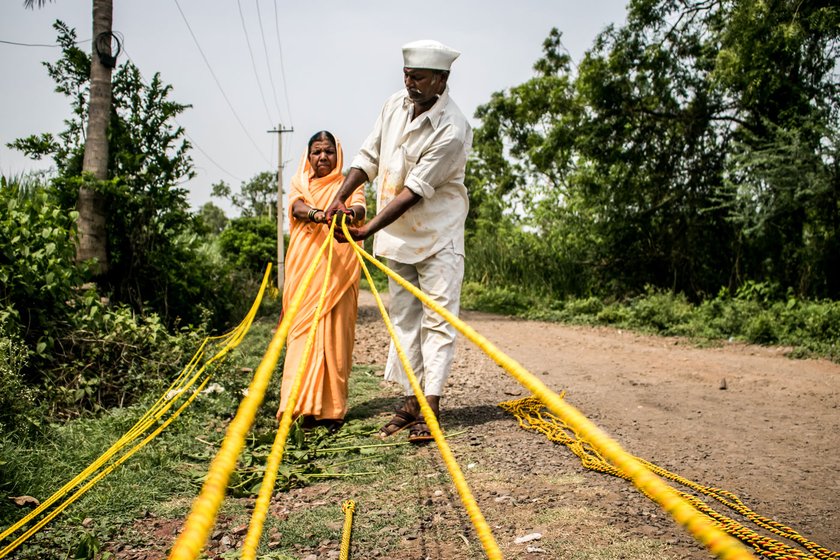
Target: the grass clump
pixel 810 328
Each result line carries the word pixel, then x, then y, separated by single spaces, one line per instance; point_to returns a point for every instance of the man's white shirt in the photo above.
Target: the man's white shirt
pixel 428 156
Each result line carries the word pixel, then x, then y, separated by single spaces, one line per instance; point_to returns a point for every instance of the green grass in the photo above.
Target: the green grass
pixel 162 479
pixel 155 488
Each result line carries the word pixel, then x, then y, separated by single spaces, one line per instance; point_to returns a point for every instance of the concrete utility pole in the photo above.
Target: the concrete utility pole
pixel 281 250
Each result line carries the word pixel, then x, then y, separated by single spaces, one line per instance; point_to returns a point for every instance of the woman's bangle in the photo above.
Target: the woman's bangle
pixel 311 214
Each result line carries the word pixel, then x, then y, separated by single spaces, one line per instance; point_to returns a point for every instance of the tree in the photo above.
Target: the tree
pixel 213 218
pixel 778 66
pixel 693 148
pixel 257 197
pixel 92 237
pixel 249 243
pixel 148 224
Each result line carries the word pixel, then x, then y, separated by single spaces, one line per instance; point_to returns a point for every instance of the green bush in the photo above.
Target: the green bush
pixel 613 314
pixel 586 306
pixel 662 311
pixel 507 301
pixel 762 328
pixel 16 397
pixel 250 243
pixel 37 270
pixel 112 357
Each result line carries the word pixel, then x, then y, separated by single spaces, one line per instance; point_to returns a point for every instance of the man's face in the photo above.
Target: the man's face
pixel 423 84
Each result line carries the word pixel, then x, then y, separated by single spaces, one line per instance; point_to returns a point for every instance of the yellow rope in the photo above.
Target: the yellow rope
pixel 275 457
pixel 531 415
pixel 348 507
pixel 81 491
pixel 716 540
pixel 205 507
pixel 180 386
pixel 485 535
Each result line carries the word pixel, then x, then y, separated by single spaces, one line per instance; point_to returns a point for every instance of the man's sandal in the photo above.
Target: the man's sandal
pixel 419 432
pixel 399 422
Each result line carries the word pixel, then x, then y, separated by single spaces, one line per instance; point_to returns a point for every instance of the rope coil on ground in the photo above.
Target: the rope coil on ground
pixel 532 416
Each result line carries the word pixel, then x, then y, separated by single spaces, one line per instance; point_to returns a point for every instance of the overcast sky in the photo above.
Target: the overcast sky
pixel 330 67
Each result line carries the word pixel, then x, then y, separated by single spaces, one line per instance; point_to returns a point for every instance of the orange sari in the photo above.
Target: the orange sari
pixel 325 380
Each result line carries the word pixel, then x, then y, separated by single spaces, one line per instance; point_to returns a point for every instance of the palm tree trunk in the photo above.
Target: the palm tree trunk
pixel 93 242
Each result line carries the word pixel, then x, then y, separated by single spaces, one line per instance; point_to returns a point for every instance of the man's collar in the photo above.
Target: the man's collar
pixel 435 111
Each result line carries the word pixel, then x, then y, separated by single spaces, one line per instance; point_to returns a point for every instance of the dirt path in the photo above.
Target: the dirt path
pixel 772 436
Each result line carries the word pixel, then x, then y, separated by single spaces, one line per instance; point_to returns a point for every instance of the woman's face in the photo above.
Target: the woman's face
pixel 322 157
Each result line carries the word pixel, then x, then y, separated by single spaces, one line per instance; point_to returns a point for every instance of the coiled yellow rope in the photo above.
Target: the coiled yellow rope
pixel 701 528
pixel 182 384
pixel 531 415
pixel 205 507
pixel 348 507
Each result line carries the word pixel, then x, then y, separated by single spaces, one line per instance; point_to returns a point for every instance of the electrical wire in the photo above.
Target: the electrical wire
pixel 282 68
pixel 219 85
pixel 253 62
pixel 56 45
pixel 267 59
pixel 193 143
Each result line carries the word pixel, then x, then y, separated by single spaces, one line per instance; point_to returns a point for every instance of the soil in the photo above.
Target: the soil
pixel 771 436
pixel 747 419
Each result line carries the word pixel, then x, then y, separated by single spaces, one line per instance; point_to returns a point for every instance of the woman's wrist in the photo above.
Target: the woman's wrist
pixel 312 215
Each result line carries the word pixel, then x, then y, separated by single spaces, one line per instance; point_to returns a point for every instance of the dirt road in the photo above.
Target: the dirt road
pixel 772 436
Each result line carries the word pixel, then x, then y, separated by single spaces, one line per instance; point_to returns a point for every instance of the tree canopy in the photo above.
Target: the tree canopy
pixel 692 149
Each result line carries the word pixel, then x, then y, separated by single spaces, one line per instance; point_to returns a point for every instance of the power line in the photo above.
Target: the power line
pixel 219 85
pixel 253 62
pixel 193 143
pixel 282 70
pixel 15 43
pixel 197 147
pixel 267 59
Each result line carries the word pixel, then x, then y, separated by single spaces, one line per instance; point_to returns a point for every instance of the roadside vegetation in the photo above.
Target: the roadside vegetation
pixel 157 486
pixel 681 179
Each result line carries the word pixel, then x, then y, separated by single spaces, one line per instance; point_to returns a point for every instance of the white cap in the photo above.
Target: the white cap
pixel 428 54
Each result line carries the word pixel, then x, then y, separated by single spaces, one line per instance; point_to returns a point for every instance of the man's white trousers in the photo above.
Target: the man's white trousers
pixel 427 340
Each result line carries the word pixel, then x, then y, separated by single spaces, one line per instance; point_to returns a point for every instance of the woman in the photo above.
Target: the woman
pixel 323 394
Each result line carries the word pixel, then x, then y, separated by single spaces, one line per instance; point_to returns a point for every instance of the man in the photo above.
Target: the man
pixel 418 151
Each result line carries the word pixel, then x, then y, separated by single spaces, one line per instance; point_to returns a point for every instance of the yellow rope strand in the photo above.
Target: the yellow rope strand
pixel 81 491
pixel 275 457
pixel 531 415
pixel 348 507
pixel 205 507
pixel 716 540
pixel 485 535
pixel 161 406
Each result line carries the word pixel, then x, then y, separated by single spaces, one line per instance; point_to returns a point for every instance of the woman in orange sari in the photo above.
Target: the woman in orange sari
pixel 323 394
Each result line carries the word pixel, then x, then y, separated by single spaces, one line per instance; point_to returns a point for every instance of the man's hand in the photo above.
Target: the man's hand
pixel 358 234
pixel 337 207
pixel 355 178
